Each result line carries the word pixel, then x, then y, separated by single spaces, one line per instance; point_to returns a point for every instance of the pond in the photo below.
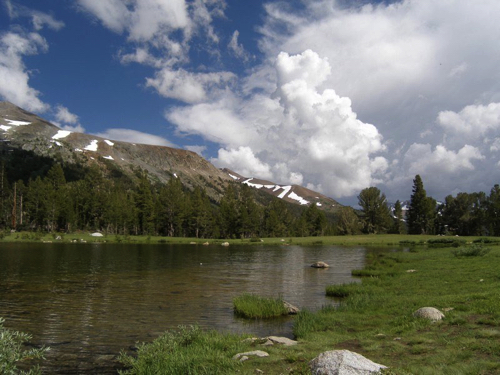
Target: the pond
pixel 89 301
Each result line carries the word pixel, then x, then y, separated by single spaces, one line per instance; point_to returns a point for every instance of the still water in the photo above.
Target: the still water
pixel 89 301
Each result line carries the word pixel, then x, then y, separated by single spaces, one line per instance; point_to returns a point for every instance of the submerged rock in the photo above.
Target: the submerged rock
pixel 320 265
pixel 430 313
pixel 225 244
pixel 343 362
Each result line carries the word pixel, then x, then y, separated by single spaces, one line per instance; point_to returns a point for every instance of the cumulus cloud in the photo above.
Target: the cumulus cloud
pixel 134 136
pixel 186 86
pixel 421 159
pixel 296 134
pixel 67 120
pixel 472 120
pixel 14 76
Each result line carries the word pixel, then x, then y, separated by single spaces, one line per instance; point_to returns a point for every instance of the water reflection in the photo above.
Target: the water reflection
pixel 89 301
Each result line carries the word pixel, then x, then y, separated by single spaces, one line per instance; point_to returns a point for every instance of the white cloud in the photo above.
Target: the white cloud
pixel 420 159
pixel 473 120
pixel 243 161
pixel 297 134
pixel 196 148
pixel 186 86
pixel 134 136
pixel 38 19
pixel 64 115
pixel 236 48
pixel 14 76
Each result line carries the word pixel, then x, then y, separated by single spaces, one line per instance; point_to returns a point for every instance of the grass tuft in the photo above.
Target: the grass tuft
pixel 252 306
pixel 187 351
pixel 474 250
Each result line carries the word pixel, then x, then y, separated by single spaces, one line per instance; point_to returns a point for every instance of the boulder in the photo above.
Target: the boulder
pixel 292 310
pixel 282 341
pixel 257 353
pixel 225 244
pixel 430 313
pixel 320 265
pixel 343 362
pixel 97 234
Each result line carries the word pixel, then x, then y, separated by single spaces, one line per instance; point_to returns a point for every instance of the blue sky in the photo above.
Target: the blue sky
pixel 333 95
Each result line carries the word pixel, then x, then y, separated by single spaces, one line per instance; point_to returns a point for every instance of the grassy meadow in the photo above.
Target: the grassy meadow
pixel 375 318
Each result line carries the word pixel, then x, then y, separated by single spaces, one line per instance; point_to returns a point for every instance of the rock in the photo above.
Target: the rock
pixel 257 353
pixel 225 244
pixel 258 371
pixel 244 358
pixel 282 340
pixel 58 238
pixel 97 234
pixel 320 265
pixel 292 310
pixel 206 243
pixel 411 271
pixel 446 309
pixel 343 362
pixel 430 313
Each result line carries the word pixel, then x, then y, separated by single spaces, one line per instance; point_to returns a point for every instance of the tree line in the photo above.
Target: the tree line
pixel 466 214
pixel 97 203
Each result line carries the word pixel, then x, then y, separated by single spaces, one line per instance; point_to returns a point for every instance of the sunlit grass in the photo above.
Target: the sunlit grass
pixel 253 306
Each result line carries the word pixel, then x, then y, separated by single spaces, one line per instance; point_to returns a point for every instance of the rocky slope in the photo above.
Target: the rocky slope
pixel 290 193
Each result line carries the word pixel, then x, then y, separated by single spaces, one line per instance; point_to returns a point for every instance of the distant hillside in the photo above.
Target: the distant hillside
pixel 35 144
pixel 290 193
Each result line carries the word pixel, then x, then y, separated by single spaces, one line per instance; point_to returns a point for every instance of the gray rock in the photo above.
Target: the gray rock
pixel 343 362
pixel 292 310
pixel 244 358
pixel 257 353
pixel 320 265
pixel 282 341
pixel 430 313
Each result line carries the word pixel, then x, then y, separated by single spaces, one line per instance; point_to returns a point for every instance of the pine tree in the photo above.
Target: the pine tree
pixel 421 211
pixel 399 224
pixel 375 210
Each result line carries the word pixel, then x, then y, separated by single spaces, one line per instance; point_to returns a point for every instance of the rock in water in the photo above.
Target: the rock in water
pixel 320 265
pixel 343 362
pixel 292 310
pixel 430 313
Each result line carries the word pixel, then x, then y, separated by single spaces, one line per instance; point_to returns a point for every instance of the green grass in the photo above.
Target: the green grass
pixel 189 350
pixel 375 318
pixel 252 306
pixel 473 250
pixel 363 240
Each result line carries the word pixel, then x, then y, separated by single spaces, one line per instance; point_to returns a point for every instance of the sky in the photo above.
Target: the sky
pixel 333 95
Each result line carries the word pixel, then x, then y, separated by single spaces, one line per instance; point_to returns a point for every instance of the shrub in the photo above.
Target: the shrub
pixel 12 352
pixel 255 239
pixel 486 240
pixel 189 350
pixel 474 250
pixel 252 306
pixel 446 242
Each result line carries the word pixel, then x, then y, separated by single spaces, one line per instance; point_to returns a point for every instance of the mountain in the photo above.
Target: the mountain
pixel 24 131
pixel 290 193
pixel 33 137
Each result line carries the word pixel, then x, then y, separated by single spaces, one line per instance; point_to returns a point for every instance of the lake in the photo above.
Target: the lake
pixel 89 301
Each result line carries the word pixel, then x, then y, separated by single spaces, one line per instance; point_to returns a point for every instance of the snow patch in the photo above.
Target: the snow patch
pixel 5 127
pixel 175 175
pixel 78 150
pixel 61 134
pixel 58 143
pixel 318 204
pixel 277 188
pixel 16 123
pixel 298 198
pixel 109 142
pixel 233 177
pixel 92 146
pixel 257 186
pixel 269 186
pixel 108 157
pixel 286 189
